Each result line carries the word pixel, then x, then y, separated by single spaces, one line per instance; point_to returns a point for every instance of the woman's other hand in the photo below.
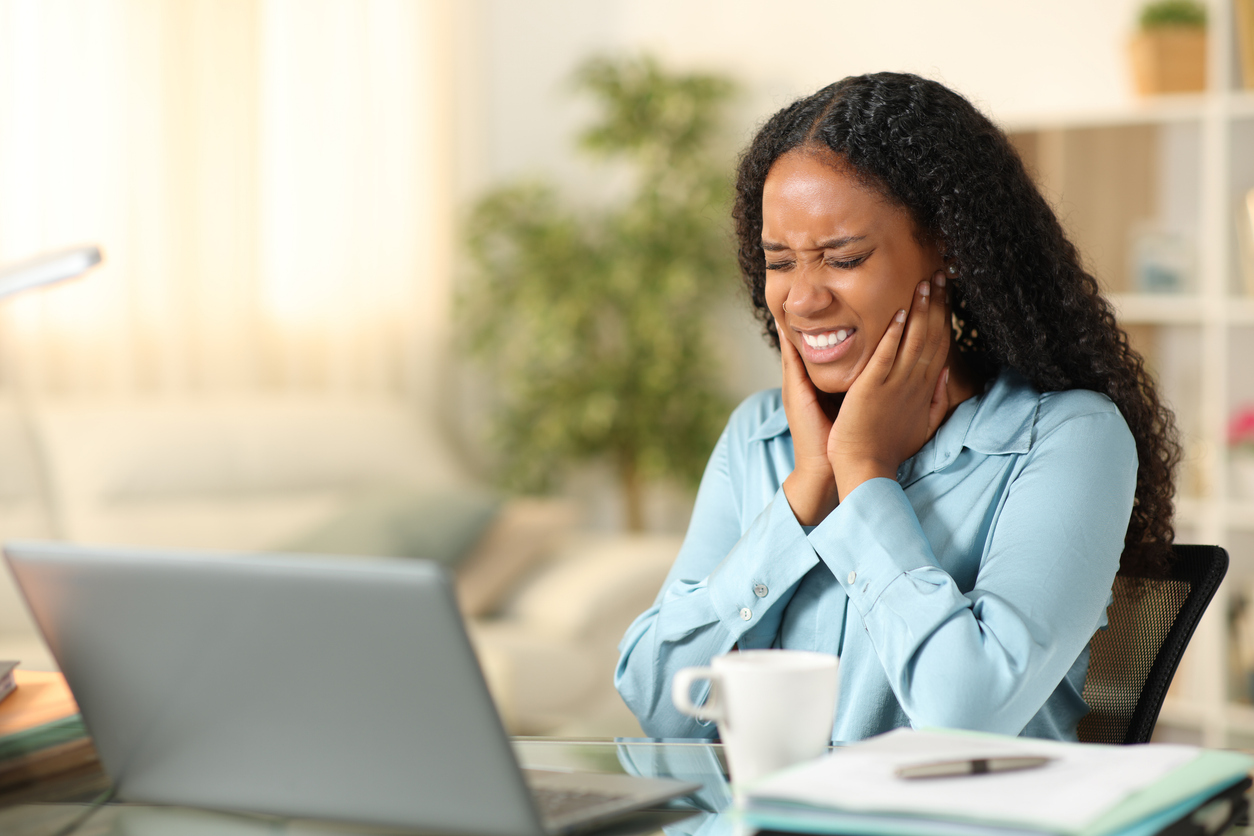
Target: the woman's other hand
pixel 900 398
pixel 811 487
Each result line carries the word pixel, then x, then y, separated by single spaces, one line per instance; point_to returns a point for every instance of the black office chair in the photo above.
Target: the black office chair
pixel 1133 659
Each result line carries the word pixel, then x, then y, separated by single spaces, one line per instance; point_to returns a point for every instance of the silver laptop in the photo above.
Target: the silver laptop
pixel 299 686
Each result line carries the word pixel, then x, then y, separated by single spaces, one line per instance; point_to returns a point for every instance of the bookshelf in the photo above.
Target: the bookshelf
pixel 1172 168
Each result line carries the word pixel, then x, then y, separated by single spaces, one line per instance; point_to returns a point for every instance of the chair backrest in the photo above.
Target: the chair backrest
pixel 1132 661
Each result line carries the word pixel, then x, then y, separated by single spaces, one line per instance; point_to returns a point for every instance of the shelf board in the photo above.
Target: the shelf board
pixel 1154 110
pixel 1239 717
pixel 1240 310
pixel 1241 103
pixel 1183 713
pixel 1188 511
pixel 1176 309
pixel 1240 516
pixel 1151 110
pixel 1161 308
pixel 1237 515
pixel 1191 714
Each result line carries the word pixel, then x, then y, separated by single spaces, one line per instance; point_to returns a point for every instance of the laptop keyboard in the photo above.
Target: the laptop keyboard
pixel 557 804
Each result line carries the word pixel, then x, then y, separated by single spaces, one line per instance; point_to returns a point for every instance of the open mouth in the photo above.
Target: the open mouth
pixel 828 339
pixel 826 346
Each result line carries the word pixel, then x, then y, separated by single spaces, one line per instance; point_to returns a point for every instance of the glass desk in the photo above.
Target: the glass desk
pixel 78 803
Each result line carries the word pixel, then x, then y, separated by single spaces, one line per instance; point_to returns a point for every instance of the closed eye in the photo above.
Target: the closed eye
pixel 847 264
pixel 838 263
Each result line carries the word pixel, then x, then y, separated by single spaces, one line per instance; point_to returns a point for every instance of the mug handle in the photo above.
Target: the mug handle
pixel 681 694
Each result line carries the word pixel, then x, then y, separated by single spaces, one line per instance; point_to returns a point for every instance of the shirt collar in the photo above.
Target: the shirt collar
pixel 996 422
pixel 775 424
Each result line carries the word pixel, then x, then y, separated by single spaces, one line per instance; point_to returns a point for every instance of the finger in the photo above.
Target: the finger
pixel 881 363
pixel 794 367
pixel 918 325
pixel 798 389
pixel 940 403
pixel 786 373
pixel 936 351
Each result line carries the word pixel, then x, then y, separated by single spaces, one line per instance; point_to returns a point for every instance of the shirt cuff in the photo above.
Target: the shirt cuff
pixel 872 539
pixel 762 569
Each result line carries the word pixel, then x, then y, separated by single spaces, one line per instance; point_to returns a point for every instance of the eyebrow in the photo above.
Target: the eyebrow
pixel 829 244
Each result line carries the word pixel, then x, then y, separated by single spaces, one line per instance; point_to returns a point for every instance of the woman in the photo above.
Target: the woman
pixel 963 447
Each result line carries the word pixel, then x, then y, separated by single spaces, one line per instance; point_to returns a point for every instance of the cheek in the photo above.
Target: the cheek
pixel 776 292
pixel 895 291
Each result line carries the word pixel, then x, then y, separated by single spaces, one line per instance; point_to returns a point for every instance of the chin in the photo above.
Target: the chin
pixel 829 384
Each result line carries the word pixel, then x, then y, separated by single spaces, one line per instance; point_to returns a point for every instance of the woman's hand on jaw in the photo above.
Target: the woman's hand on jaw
pixel 900 398
pixel 811 487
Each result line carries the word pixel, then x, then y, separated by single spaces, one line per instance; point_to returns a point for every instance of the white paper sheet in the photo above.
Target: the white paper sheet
pixel 1072 790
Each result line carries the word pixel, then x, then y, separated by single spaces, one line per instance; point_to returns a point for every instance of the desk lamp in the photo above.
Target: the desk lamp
pixel 47 269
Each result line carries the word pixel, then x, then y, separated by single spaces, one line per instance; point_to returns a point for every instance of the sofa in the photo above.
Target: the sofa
pixel 545 601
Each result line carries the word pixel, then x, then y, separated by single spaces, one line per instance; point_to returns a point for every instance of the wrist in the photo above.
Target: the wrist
pixel 849 477
pixel 811 496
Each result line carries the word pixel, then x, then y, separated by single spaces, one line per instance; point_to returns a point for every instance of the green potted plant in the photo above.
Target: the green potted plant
pixel 592 322
pixel 1169 49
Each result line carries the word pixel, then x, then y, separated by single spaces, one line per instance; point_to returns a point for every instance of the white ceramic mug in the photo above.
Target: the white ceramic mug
pixel 773 708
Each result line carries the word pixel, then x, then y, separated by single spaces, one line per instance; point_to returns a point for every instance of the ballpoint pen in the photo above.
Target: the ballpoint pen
pixel 970 766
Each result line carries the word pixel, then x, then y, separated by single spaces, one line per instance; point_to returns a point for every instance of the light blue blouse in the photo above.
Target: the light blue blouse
pixel 963 594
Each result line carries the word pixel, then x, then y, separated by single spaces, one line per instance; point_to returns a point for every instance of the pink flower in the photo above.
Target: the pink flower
pixel 1241 427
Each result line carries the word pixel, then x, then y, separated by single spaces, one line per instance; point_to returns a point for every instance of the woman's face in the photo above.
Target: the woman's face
pixel 842 258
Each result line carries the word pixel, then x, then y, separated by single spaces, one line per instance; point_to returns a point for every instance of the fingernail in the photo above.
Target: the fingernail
pixel 925 289
pixel 946 383
pixel 901 316
pixel 939 278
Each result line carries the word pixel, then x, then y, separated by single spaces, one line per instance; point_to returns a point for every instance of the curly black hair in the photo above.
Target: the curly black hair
pixel 1021 299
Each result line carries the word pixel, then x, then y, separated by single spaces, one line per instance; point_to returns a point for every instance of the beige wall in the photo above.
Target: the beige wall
pixel 1012 57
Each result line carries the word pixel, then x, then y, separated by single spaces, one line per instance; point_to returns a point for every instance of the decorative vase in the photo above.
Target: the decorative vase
pixel 1171 59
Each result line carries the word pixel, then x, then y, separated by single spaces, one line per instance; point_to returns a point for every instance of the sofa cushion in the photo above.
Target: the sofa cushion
pixel 596 587
pixel 108 458
pixel 440 525
pixel 523 538
pixel 488 544
pixel 179 446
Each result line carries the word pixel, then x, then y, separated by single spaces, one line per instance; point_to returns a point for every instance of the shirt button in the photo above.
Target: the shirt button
pixel 853 576
pixel 746 614
pixel 760 590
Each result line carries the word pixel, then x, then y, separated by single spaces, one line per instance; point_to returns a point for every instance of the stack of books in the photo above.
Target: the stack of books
pixel 41 732
pixel 945 783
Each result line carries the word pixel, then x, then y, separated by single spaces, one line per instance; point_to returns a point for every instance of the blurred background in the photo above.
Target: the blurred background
pixel 406 278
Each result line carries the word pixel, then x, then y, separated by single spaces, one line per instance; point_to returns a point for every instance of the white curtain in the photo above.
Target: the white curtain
pixel 264 177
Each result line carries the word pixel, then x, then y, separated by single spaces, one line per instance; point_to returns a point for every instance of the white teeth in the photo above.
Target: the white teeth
pixel 824 340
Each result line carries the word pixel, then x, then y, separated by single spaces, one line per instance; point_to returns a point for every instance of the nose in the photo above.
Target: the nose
pixel 807 296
